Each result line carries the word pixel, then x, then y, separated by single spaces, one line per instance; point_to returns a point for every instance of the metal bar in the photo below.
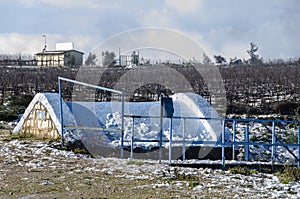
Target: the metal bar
pixel 183 140
pixel 246 147
pixel 233 140
pixel 90 85
pixel 273 142
pixel 161 128
pixel 91 128
pixel 223 146
pixel 226 119
pixel 213 143
pixel 122 127
pixel 61 112
pixel 299 147
pixel 132 139
pixel 170 143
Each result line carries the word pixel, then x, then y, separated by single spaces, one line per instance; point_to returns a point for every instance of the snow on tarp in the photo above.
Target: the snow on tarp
pixel 107 116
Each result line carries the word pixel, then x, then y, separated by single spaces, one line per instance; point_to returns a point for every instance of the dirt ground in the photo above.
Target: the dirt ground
pixel 31 168
pixel 37 169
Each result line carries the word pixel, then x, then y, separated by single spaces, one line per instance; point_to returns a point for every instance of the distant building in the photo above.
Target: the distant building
pixel 64 55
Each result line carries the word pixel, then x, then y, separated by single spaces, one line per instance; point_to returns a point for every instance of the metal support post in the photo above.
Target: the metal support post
pixel 246 145
pixel 183 140
pixel 61 112
pixel 273 142
pixel 122 128
pixel 299 147
pixel 132 139
pixel 233 140
pixel 161 128
pixel 170 141
pixel 223 144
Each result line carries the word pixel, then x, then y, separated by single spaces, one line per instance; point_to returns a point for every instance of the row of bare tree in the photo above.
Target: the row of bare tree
pixel 253 89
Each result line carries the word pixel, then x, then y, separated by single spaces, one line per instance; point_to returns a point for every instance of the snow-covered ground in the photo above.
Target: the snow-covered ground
pixel 149 176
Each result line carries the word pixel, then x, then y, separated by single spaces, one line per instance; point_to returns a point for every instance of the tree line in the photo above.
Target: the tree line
pixel 253 89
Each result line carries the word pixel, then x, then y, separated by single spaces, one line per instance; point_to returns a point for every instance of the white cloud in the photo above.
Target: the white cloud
pixel 226 27
pixel 28 3
pixel 34 43
pixel 155 17
pixel 184 6
pixel 65 4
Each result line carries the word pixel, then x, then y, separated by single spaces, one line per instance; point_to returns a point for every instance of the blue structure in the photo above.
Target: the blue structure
pixel 194 123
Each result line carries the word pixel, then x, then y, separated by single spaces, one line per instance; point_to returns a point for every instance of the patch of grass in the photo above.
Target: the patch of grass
pixel 80 151
pixel 135 162
pixel 24 136
pixel 240 170
pixel 289 174
pixel 184 177
pixel 12 137
pixel 193 184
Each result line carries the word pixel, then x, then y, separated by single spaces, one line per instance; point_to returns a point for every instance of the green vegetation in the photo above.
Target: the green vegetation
pixel 80 151
pixel 184 177
pixel 289 174
pixel 25 136
pixel 242 170
pixel 135 162
pixel 18 137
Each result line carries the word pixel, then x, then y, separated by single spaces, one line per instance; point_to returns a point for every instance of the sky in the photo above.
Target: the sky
pixel 221 27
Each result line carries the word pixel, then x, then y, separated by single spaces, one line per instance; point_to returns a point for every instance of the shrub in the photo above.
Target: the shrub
pixel 289 174
pixel 240 170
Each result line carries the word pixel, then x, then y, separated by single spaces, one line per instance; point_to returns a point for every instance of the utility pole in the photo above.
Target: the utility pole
pixel 45 43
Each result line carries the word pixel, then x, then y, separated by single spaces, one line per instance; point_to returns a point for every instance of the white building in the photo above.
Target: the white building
pixel 64 55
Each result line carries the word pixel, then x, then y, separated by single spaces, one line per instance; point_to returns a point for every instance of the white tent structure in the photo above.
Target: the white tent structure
pixel 42 118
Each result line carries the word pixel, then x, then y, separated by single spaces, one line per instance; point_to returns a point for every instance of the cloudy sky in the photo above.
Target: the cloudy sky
pixel 223 27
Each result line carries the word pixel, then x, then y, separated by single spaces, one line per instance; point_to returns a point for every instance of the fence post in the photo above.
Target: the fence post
pixel 246 143
pixel 183 139
pixel 298 146
pixel 132 139
pixel 223 144
pixel 122 133
pixel 233 139
pixel 170 141
pixel 61 111
pixel 161 128
pixel 273 142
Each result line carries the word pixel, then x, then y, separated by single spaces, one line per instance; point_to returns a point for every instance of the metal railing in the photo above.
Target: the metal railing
pixel 234 143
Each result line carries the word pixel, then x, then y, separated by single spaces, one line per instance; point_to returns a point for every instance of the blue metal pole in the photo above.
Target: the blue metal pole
pixel 132 139
pixel 233 140
pixel 122 128
pixel 223 144
pixel 161 128
pixel 299 147
pixel 183 139
pixel 61 112
pixel 273 142
pixel 170 143
pixel 246 145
